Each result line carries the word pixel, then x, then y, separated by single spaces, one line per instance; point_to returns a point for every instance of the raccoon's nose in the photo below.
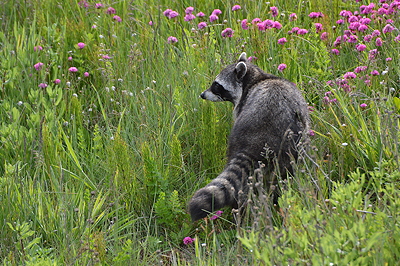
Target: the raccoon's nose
pixel 203 95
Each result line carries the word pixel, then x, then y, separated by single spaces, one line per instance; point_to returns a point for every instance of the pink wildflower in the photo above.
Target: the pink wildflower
pixel 189 17
pixel 188 240
pixel 315 15
pixel 318 27
pixel 388 28
pixel 324 36
pixel 217 215
pixel 200 15
pixel 368 38
pixel 173 14
pixel 340 21
pixel 37 48
pixel 151 23
pixel 282 67
pixel 202 25
pixel 86 74
pixel 277 25
pixel 292 16
pixel 378 42
pixel 397 38
pixel 172 39
pixel 189 10
pixel 236 7
pixel 388 59
pixel 110 10
pixel 216 12
pixel 57 81
pixel 117 18
pixel 335 51
pixel 228 32
pixel 302 31
pixel 363 105
pixel 349 75
pixel 213 18
pixel 73 69
pixel 69 58
pixel 374 73
pixel 360 47
pixel 244 25
pixel 282 41
pixel 274 11
pixel 42 85
pixel 81 45
pixel 38 66
pixel 98 5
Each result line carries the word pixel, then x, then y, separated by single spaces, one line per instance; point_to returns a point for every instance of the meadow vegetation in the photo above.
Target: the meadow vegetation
pixel 103 138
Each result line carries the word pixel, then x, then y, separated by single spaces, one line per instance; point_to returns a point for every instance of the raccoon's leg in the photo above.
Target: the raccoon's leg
pixel 223 190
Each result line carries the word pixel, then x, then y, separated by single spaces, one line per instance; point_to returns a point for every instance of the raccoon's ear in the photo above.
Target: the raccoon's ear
pixel 241 70
pixel 243 57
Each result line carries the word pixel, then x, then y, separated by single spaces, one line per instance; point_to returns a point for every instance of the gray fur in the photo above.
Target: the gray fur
pixel 271 116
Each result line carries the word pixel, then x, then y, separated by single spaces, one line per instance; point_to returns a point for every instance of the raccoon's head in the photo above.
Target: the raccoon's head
pixel 228 85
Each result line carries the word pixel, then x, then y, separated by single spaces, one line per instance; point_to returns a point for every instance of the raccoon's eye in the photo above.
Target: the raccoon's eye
pixel 216 88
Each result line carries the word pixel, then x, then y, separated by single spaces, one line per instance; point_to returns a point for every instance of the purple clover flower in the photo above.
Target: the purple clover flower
pixel 73 69
pixel 292 16
pixel 363 105
pixel 388 28
pixel 42 85
pixel 57 81
pixel 117 18
pixel 172 39
pixel 111 10
pixel 349 75
pixel 302 31
pixel 274 11
pixel 228 32
pixel 213 18
pixel 335 51
pixel 37 48
pixel 189 17
pixel 216 12
pixel 217 215
pixel 188 240
pixel 282 67
pixel 202 25
pixel 360 47
pixel 81 45
pixel 236 7
pixel 282 41
pixel 200 15
pixel 38 66
pixel 244 25
pixel 189 10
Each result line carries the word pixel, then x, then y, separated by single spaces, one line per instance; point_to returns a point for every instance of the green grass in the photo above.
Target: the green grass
pixel 98 170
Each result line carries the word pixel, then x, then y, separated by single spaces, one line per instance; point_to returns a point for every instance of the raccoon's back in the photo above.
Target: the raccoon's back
pixel 271 111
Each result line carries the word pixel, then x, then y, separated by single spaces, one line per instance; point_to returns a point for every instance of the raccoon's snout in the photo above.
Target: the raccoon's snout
pixel 203 95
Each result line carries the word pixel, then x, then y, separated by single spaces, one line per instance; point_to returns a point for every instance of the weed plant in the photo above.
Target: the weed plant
pixel 103 138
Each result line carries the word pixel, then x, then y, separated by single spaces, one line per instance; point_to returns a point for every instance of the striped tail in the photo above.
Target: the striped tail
pixel 223 190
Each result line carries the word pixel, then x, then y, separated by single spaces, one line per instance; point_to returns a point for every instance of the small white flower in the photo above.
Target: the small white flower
pixel 75 95
pixel 20 103
pixel 101 36
pixel 345 144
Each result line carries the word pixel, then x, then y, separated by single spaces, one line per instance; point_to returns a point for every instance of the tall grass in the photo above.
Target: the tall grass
pixel 97 167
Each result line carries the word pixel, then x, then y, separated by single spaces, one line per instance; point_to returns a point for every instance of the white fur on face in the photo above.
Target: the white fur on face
pixel 208 95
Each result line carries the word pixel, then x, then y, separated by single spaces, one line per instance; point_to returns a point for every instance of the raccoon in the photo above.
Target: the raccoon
pixel 271 121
